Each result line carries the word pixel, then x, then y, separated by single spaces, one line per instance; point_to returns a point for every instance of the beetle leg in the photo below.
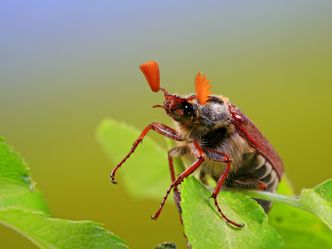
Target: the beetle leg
pixel 158 127
pixel 221 157
pixel 261 185
pixel 200 159
pixel 176 152
pixel 251 184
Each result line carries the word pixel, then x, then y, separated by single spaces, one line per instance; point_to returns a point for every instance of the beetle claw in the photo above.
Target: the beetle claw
pixel 113 180
pixel 154 217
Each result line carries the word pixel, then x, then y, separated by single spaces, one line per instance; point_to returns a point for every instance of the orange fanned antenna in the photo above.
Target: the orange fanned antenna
pixel 150 70
pixel 202 88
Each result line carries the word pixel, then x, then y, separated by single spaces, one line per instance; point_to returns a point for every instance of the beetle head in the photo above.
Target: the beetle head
pixel 181 109
pixel 192 110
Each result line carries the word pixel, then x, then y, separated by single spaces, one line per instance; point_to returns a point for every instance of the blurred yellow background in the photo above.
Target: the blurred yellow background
pixel 64 66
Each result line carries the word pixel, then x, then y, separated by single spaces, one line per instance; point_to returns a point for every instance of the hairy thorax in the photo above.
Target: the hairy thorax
pixel 223 139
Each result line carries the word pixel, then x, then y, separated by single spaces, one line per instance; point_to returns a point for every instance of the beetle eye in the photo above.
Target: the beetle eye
pixel 188 109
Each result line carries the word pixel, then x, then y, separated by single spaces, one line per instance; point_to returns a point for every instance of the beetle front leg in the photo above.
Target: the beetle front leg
pixel 221 157
pixel 158 127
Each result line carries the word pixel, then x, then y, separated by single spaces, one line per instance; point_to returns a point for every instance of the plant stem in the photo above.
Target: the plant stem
pixel 268 196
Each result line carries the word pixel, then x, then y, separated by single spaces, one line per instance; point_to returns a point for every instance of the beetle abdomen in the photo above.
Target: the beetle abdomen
pixel 255 172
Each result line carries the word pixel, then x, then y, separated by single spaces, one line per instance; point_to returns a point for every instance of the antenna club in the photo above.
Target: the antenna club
pixel 150 69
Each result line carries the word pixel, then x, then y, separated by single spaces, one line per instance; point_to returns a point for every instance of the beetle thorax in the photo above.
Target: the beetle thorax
pixel 210 117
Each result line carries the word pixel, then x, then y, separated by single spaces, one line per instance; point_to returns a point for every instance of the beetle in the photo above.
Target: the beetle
pixel 220 140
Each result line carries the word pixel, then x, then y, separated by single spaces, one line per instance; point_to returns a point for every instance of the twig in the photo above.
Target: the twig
pixel 268 196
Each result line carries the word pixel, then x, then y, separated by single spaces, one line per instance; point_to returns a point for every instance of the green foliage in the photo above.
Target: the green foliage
pixel 13 171
pixel 146 174
pixel 16 187
pixel 23 209
pixel 206 229
pixel 32 200
pixel 319 201
pixel 298 228
pixel 48 232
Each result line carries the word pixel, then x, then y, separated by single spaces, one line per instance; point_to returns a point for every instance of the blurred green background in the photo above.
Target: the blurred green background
pixel 65 65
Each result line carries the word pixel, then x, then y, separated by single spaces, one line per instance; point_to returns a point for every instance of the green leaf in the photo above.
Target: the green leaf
pixel 16 186
pixel 205 228
pixel 23 209
pixel 298 228
pixel 29 200
pixel 319 201
pixel 12 168
pixel 146 172
pixel 52 233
